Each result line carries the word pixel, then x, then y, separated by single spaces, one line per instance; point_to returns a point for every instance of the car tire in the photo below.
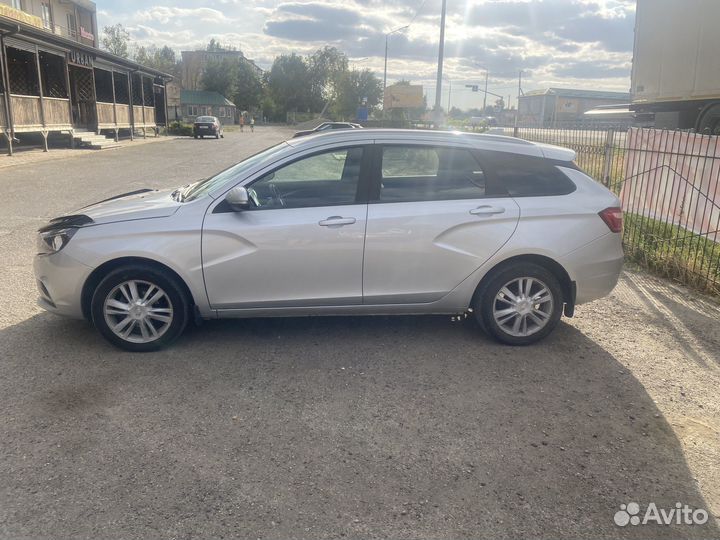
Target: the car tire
pixel 509 314
pixel 155 309
pixel 195 136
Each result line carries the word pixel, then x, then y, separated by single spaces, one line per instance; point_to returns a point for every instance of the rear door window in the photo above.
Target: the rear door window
pixel 429 173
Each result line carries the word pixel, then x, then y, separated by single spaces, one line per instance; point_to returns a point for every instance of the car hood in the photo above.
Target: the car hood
pixel 141 204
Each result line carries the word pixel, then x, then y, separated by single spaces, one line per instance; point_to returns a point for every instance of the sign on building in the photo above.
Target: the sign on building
pixel 79 58
pixel 570 106
pixel 403 96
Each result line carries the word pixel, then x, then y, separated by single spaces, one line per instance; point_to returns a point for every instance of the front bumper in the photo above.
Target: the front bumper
pixel 60 280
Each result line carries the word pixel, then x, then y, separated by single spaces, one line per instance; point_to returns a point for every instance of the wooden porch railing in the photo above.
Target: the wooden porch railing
pixel 105 114
pixel 26 111
pixel 138 115
pixel 57 112
pixel 149 116
pixel 27 114
pixel 148 119
pixel 123 114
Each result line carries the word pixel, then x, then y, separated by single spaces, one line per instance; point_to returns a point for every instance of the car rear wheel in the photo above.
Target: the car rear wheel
pixel 139 308
pixel 520 304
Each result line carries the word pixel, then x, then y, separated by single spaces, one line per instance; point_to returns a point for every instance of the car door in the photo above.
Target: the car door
pixel 431 222
pixel 300 243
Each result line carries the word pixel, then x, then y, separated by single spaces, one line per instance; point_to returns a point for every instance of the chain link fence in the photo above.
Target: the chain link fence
pixel 669 184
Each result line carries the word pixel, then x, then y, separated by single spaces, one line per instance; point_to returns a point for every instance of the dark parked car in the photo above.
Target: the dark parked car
pixel 207 125
pixel 326 126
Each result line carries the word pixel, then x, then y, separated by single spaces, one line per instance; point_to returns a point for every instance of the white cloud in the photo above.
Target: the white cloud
pixel 571 43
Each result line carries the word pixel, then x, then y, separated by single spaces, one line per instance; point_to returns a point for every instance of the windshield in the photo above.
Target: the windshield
pixel 203 187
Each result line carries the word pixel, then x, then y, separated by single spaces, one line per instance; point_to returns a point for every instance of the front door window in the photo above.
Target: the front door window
pixel 326 179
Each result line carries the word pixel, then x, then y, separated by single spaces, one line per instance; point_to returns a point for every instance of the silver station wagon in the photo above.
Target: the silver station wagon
pixel 356 222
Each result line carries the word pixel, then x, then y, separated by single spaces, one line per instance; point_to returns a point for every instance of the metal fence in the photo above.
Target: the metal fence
pixel 669 184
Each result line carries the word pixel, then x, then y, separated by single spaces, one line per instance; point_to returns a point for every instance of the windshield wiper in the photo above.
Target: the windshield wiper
pixel 187 190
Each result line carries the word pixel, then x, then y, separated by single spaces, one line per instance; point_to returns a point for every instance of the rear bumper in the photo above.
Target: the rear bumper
pixel 595 268
pixel 208 131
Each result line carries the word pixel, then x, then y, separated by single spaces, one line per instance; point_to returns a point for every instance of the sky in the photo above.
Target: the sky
pixel 562 43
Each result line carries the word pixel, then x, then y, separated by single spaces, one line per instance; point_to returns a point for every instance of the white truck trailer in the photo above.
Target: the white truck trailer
pixel 676 63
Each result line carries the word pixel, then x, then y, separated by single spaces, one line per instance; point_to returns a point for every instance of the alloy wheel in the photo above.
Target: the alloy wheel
pixel 523 306
pixel 138 311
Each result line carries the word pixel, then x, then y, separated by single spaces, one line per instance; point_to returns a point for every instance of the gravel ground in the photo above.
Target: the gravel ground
pixel 402 427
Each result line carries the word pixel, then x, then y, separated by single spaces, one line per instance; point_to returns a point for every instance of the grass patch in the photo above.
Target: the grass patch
pixel 672 251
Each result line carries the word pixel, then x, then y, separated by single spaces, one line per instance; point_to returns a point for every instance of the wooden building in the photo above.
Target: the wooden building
pixel 54 81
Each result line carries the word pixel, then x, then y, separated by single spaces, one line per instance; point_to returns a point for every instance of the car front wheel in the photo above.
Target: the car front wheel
pixel 520 304
pixel 140 308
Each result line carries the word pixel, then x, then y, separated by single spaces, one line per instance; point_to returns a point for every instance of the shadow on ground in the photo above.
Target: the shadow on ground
pixel 358 427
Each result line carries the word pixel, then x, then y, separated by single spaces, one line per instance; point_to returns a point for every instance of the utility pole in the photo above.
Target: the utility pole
pixel 485 97
pixel 441 51
pixel 517 112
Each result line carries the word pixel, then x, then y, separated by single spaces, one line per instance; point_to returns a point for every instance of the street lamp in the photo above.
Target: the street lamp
pixel 399 29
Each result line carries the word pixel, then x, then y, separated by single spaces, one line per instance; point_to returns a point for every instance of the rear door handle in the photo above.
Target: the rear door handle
pixel 337 221
pixel 487 210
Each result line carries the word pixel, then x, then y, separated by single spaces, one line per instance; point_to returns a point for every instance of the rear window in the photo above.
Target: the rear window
pixel 429 173
pixel 527 176
pixel 205 119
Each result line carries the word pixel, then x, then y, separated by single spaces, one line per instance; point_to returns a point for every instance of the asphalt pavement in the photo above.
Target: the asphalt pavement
pixel 378 427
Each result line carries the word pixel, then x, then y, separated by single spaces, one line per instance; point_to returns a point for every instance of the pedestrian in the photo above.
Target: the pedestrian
pixel 252 124
pixel 242 123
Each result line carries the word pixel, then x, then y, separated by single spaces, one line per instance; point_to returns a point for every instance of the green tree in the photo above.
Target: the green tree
pixel 289 83
pixel 325 67
pixel 221 76
pixel 163 59
pixel 115 40
pixel 236 79
pixel 352 88
pixel 248 86
pixel 214 46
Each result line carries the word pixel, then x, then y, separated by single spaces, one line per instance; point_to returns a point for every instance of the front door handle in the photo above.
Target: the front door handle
pixel 487 210
pixel 337 221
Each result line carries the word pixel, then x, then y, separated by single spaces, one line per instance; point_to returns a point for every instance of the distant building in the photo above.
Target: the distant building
pixel 174 106
pixel 194 103
pixel 194 63
pixel 561 106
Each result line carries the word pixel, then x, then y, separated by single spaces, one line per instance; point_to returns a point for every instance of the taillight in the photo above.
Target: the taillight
pixel 612 218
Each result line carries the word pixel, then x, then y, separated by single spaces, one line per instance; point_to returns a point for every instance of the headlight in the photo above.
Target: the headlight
pixel 54 240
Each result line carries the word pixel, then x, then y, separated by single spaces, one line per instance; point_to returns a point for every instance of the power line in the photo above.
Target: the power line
pixel 417 12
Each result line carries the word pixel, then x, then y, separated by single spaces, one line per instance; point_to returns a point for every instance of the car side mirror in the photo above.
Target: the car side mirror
pixel 238 198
